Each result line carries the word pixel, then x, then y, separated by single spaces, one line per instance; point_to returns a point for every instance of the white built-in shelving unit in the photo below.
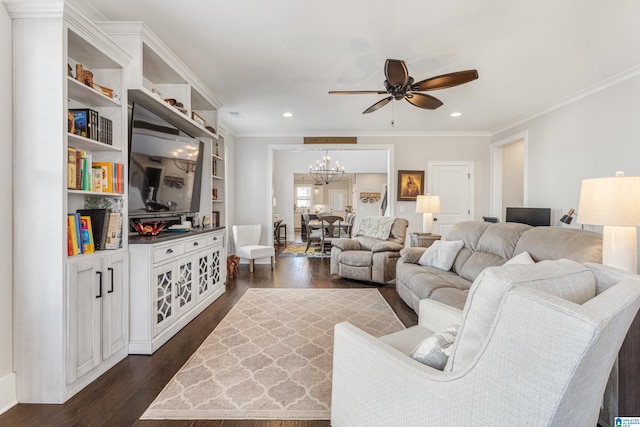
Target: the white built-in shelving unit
pixel 70 312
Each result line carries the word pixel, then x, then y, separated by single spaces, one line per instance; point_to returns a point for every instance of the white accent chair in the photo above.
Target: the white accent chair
pixel 247 242
pixel 534 358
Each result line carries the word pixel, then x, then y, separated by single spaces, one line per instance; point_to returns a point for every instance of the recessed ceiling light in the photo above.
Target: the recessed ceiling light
pixel 287 114
pixel 456 114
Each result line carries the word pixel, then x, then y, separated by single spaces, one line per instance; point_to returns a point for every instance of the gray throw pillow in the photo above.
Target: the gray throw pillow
pixel 436 349
pixel 441 254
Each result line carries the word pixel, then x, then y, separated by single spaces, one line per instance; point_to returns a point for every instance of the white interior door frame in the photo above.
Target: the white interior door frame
pixel 496 167
pixel 272 148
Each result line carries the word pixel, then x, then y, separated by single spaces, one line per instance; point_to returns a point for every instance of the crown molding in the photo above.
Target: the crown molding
pixel 28 9
pixel 598 87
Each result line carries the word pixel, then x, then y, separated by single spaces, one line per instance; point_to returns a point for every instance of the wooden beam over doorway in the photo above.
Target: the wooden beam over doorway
pixel 330 140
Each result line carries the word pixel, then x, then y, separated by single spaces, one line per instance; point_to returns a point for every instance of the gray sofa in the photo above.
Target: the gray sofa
pixel 485 245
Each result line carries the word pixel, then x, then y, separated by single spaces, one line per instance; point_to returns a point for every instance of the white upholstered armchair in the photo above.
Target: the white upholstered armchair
pixel 525 354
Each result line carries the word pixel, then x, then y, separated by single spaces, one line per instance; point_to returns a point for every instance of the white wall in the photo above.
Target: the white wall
pixel 7 377
pixel 410 152
pixel 592 137
pixel 368 182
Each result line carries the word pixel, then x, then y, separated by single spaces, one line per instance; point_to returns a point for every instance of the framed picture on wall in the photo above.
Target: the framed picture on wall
pixel 410 185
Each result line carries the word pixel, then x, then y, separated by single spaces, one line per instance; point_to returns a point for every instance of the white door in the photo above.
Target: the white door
pixel 453 182
pixel 337 201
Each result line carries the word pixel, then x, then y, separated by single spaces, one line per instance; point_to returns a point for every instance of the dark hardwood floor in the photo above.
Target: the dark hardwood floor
pixel 120 396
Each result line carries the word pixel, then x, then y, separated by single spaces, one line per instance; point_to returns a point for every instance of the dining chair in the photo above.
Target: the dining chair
pixel 313 234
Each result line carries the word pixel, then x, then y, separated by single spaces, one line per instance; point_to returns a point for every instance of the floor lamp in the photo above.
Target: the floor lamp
pixel 613 202
pixel 427 205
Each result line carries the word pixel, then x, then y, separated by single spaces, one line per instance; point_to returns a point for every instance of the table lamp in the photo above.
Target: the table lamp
pixel 613 202
pixel 427 205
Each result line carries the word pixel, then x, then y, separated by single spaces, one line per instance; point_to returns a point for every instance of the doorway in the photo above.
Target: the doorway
pixel 509 174
pixel 286 161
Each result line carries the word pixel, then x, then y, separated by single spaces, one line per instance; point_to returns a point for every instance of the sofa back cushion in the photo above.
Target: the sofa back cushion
pixel 494 247
pixel 560 242
pixel 564 278
pixel 397 234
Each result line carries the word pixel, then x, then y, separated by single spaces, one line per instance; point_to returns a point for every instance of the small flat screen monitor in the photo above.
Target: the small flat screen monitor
pixel 532 216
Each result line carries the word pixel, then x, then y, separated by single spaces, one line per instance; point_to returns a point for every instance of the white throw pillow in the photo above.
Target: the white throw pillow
pixel 436 349
pixel 441 254
pixel 522 258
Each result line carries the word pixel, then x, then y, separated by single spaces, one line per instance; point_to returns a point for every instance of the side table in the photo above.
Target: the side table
pixel 423 240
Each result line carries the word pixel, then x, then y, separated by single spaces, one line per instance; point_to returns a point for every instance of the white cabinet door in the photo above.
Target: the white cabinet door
pixel 204 274
pixel 185 285
pixel 85 290
pixel 218 271
pixel 163 297
pixel 115 311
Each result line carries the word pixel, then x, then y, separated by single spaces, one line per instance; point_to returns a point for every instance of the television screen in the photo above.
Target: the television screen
pixel 532 216
pixel 165 166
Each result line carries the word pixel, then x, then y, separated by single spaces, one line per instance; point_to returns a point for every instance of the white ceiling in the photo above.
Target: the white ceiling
pixel 262 58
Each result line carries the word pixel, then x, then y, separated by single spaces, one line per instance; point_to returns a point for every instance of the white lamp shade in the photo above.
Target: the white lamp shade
pixel 428 204
pixel 613 202
pixel 610 201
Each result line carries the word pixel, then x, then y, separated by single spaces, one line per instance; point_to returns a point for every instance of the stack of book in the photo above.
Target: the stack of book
pixel 90 230
pixel 84 174
pixel 89 124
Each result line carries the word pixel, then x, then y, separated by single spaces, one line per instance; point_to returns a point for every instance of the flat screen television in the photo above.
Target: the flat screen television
pixel 532 216
pixel 165 167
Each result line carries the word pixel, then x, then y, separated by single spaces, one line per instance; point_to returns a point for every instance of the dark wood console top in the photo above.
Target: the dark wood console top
pixel 167 236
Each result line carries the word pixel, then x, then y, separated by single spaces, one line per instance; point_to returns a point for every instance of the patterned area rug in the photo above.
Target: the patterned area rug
pixel 271 357
pixel 297 249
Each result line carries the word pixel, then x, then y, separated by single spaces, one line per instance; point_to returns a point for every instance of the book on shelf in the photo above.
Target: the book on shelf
pixel 99 223
pixel 113 228
pixel 112 176
pixel 86 234
pixel 90 124
pixel 71 168
pixel 96 178
pixel 74 233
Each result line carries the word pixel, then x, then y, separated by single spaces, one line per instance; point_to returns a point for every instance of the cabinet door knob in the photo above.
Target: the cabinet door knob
pixel 215 238
pixel 195 243
pixel 110 271
pixel 169 251
pixel 99 273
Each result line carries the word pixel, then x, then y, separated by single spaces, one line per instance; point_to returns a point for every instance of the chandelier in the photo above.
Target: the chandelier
pixel 324 173
pixel 185 161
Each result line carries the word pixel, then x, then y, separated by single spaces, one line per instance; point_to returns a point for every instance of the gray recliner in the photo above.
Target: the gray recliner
pixel 369 259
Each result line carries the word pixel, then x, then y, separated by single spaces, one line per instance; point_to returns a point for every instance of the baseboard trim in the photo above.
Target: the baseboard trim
pixel 8 397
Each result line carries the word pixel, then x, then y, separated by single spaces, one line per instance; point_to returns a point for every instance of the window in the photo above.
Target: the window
pixel 303 196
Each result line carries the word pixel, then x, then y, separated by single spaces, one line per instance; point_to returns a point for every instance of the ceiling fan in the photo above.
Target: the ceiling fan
pixel 399 84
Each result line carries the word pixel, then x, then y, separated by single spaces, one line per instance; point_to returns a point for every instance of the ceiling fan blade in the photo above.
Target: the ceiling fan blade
pixel 378 104
pixel 423 101
pixel 356 92
pixel 396 72
pixel 446 80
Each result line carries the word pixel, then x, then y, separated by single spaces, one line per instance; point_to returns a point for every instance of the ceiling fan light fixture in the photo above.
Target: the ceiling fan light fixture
pixel 400 85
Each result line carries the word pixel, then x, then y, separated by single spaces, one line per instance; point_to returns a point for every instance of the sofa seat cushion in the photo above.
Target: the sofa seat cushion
pixel 356 258
pixel 425 280
pixel 453 297
pixel 564 278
